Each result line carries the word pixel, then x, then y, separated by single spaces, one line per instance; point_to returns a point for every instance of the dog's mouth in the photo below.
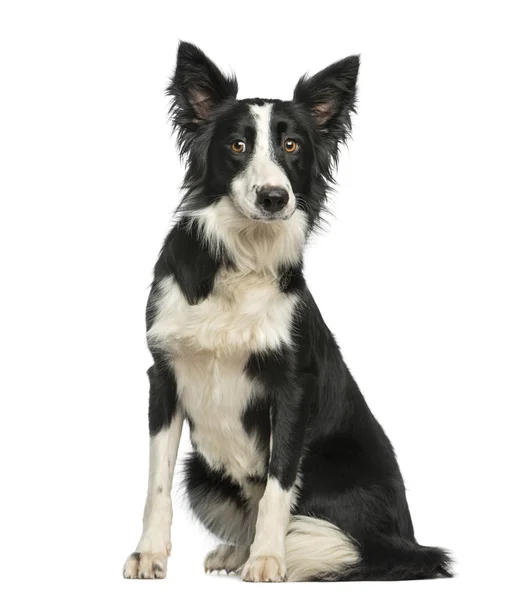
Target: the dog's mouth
pixel 272 218
pixel 254 212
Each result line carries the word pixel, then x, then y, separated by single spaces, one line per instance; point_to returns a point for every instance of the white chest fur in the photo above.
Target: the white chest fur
pixel 215 393
pixel 244 312
pixel 209 344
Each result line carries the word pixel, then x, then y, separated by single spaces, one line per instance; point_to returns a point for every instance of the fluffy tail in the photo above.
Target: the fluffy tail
pixel 319 551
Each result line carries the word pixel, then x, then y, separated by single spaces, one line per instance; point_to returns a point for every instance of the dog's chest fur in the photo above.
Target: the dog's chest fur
pixel 209 344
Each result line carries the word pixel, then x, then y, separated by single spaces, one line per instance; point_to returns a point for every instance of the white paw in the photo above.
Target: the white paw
pixel 225 558
pixel 146 565
pixel 264 568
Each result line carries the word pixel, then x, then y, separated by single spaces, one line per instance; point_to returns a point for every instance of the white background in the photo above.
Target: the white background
pixel 423 274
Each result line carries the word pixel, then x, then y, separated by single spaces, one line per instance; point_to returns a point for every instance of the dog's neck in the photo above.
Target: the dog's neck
pixel 252 246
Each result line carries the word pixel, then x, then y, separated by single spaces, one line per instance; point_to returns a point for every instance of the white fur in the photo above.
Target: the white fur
pixel 154 546
pixel 267 561
pixel 316 548
pixel 298 548
pixel 261 170
pixel 210 342
pixel 210 345
pixel 263 568
pixel 244 313
pixel 253 245
pixel 215 392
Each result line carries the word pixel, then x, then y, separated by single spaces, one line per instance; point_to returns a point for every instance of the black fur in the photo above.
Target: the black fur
pixel 320 423
pixel 185 257
pixel 162 394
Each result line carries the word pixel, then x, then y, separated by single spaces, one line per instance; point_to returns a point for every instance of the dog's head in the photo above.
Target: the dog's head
pixel 269 157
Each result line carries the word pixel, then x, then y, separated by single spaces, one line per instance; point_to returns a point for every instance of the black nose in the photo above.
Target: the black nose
pixel 272 199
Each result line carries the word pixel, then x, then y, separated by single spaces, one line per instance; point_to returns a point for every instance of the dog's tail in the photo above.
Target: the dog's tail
pixel 319 551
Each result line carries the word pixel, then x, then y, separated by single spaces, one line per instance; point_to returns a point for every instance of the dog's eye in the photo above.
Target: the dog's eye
pixel 238 146
pixel 290 146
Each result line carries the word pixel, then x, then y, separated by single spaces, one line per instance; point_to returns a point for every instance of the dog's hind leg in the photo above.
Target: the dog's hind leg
pixel 226 557
pixel 165 423
pixel 225 509
pixel 221 504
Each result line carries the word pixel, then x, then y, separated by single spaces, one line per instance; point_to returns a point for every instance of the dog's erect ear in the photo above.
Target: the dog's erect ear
pixel 331 96
pixel 197 86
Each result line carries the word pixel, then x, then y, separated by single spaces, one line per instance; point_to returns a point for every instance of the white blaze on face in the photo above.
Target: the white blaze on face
pixel 262 170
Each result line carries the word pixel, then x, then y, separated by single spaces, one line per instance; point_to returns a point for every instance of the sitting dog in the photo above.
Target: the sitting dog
pixel 289 467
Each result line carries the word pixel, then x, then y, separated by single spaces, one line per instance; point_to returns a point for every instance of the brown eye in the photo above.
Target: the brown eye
pixel 238 146
pixel 290 146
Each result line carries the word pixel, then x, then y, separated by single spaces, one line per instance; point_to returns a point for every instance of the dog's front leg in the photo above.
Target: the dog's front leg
pixel 165 425
pixel 267 561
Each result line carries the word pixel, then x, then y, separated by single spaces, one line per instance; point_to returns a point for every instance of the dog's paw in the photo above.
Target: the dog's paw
pixel 146 565
pixel 225 558
pixel 264 568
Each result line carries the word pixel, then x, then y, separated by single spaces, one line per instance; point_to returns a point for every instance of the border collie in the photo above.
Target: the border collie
pixel 289 469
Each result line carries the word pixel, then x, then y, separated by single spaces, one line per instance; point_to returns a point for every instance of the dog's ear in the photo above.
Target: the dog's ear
pixel 330 96
pixel 196 88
